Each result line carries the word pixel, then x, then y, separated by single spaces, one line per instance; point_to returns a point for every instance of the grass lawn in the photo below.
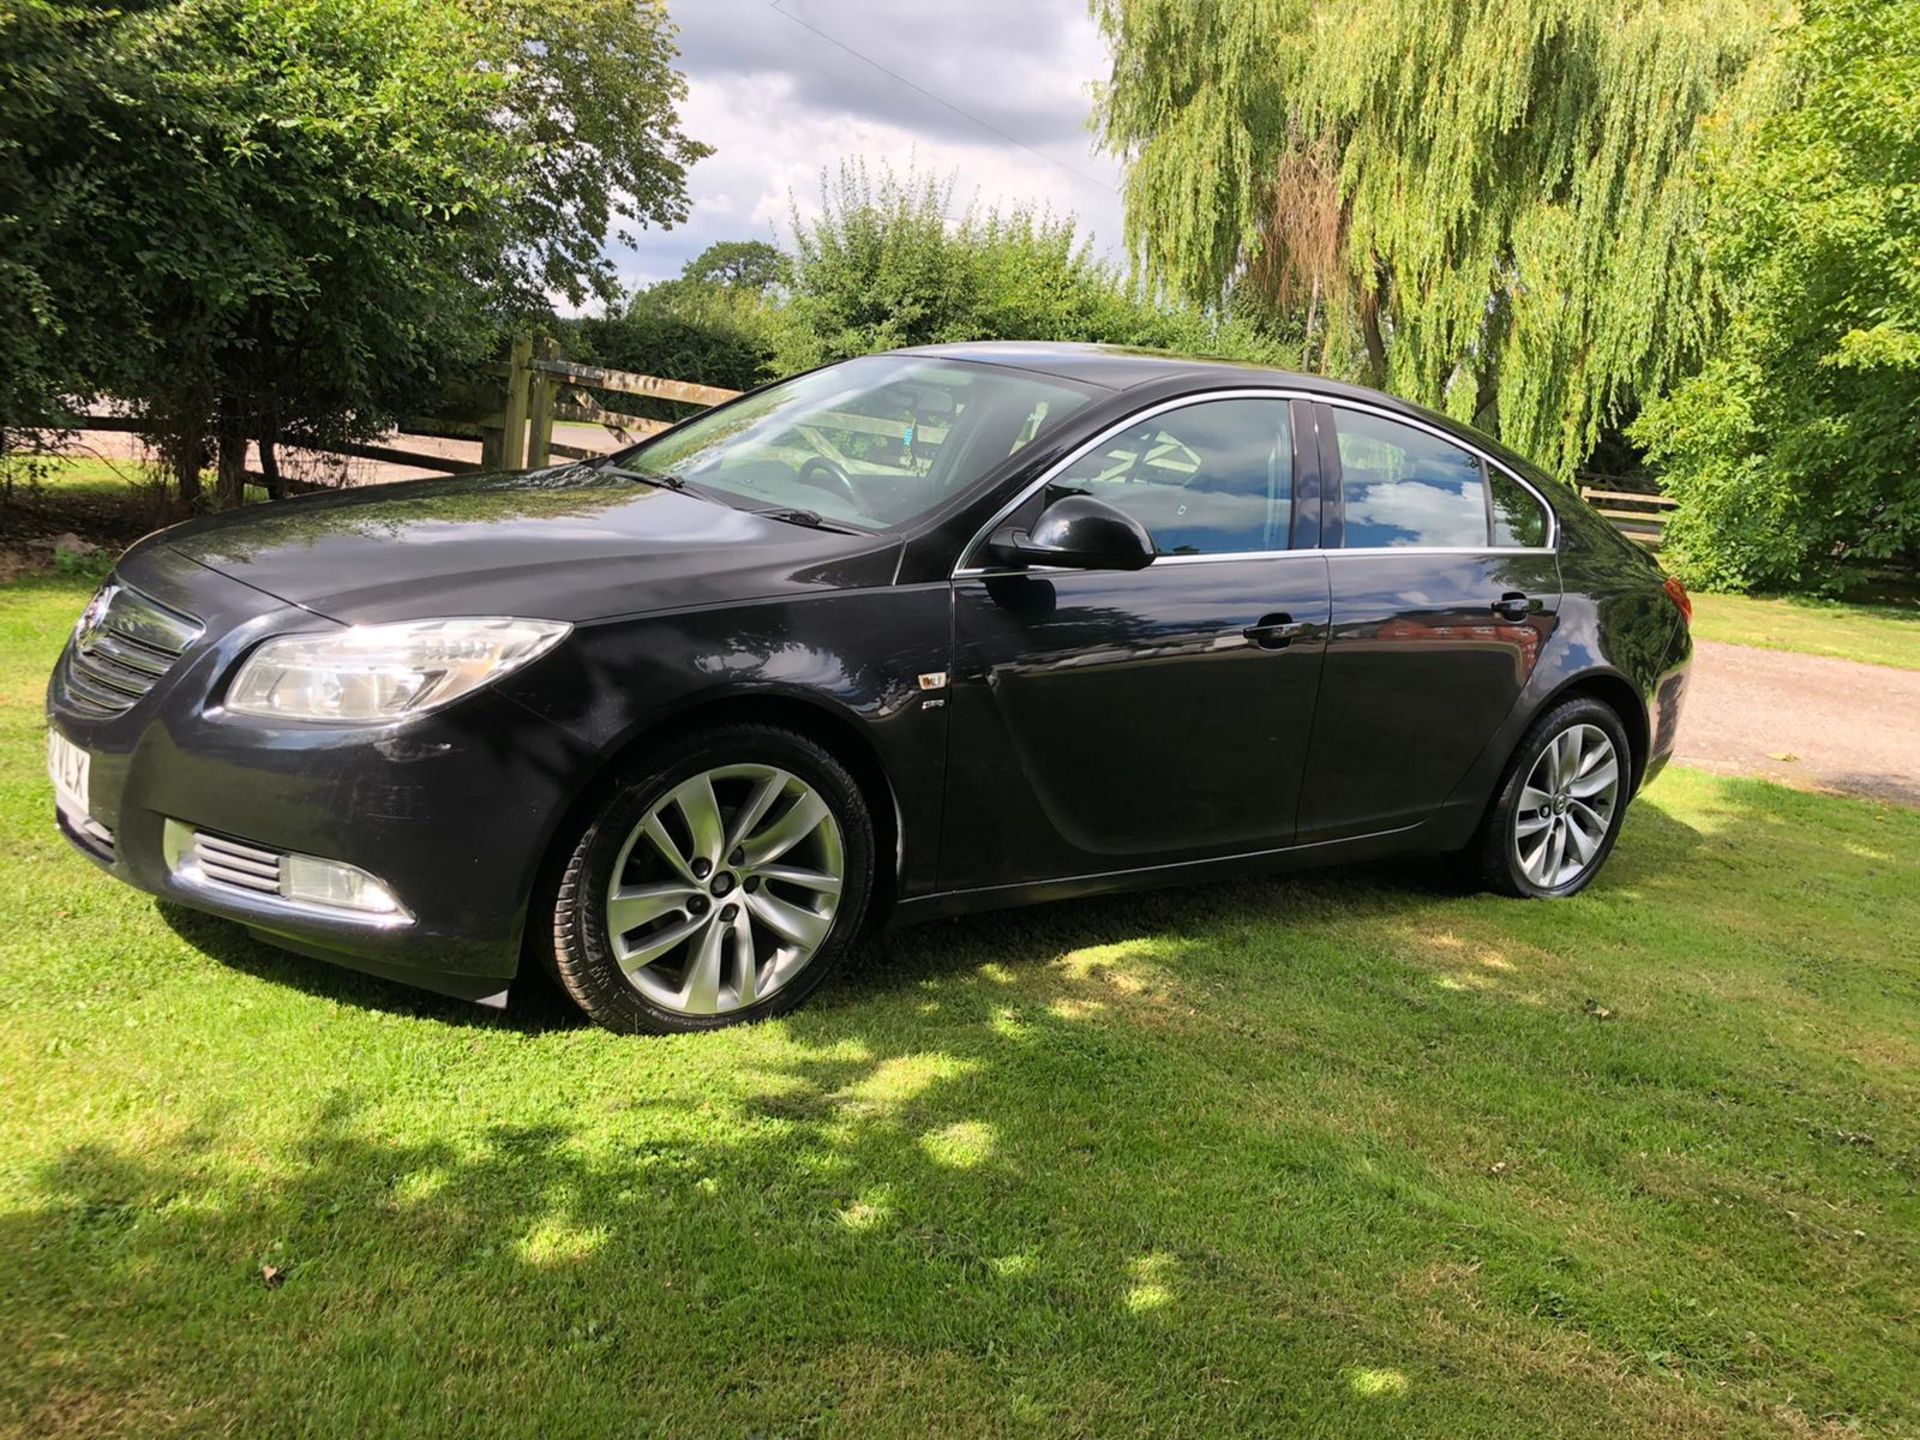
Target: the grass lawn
pixel 108 502
pixel 1877 634
pixel 96 479
pixel 1348 1154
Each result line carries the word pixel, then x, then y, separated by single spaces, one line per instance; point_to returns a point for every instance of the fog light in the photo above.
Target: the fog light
pixel 330 882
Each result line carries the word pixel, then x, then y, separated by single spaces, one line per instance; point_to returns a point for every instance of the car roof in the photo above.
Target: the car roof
pixel 1121 367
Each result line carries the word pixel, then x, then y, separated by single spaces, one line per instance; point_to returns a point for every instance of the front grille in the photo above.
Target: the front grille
pixel 234 862
pixel 124 645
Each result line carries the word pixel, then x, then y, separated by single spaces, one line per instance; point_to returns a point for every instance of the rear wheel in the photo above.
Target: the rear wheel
pixel 1560 807
pixel 720 887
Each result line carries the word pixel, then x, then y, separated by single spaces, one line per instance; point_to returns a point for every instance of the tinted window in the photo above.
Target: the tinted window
pixel 1519 521
pixel 1209 479
pixel 1403 486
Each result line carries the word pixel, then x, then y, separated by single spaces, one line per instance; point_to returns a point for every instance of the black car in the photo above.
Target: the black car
pixel 927 632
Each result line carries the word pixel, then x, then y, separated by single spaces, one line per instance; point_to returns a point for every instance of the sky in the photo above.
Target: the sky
pixel 994 93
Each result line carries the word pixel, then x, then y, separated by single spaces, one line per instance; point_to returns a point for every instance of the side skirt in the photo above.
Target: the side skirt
pixel 1407 840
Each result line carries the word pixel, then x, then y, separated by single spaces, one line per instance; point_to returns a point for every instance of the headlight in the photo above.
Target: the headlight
pixel 372 673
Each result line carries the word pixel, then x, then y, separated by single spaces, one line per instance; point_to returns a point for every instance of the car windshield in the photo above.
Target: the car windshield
pixel 872 443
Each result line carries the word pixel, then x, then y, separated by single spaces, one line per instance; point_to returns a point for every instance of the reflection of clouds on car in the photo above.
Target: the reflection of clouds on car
pixel 1404 486
pixel 1414 512
pixel 807 667
pixel 784 663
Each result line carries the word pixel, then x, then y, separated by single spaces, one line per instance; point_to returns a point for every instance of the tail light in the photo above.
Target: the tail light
pixel 1683 602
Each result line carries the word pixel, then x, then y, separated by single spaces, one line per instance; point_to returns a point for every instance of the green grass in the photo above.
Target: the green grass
pixel 1341 1155
pixel 1876 634
pixel 112 480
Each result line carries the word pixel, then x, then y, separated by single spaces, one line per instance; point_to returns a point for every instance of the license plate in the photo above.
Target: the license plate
pixel 69 767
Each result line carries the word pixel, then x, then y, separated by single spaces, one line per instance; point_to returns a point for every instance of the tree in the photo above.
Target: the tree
pixel 58 77
pixel 1489 206
pixel 1797 447
pixel 713 324
pixel 740 265
pixel 590 118
pixel 890 262
pixel 295 217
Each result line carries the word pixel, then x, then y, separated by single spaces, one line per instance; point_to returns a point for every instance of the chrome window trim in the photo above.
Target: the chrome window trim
pixel 982 572
pixel 1436 550
pixel 963 571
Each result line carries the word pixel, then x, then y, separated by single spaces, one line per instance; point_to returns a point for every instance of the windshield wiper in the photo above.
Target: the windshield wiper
pixel 650 477
pixel 812 519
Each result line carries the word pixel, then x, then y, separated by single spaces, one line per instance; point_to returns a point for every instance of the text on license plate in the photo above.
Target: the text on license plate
pixel 68 765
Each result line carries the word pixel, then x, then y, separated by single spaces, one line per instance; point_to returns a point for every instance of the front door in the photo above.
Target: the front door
pixel 1109 721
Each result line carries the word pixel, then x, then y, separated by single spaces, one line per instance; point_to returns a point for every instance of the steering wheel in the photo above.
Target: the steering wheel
pixel 822 474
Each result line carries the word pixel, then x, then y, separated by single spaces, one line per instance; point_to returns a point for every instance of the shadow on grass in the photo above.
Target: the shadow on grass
pixel 1018 1170
pixel 1026 936
pixel 1022 939
pixel 535 1005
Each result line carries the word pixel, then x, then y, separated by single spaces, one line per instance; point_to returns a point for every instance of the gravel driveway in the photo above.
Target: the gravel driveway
pixel 1806 720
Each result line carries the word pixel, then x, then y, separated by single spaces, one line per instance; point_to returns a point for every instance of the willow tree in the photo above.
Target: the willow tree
pixel 1490 206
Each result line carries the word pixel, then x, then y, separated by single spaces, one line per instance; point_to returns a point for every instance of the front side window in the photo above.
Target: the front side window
pixel 1214 478
pixel 1403 487
pixel 873 443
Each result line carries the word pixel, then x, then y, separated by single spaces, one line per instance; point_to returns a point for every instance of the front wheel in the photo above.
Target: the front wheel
pixel 720 887
pixel 1560 806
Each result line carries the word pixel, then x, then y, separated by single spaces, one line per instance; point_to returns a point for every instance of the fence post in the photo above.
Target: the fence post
pixel 540 411
pixel 513 421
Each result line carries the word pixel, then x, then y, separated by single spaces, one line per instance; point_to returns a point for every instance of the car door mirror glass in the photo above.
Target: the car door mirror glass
pixel 1076 533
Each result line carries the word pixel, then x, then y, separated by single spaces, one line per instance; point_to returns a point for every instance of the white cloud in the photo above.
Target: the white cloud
pixel 780 103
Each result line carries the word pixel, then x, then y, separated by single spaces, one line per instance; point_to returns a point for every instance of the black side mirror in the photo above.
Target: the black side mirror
pixel 1077 533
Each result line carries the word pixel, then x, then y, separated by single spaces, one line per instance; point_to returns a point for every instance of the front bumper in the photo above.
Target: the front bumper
pixel 452 810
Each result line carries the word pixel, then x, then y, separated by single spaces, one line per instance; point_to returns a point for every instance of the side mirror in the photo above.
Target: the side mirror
pixel 1077 533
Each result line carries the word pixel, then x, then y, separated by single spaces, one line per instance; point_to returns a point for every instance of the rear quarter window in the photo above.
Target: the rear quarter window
pixel 1519 520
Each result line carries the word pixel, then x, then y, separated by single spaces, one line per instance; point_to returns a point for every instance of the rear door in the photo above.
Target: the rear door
pixel 1444 587
pixel 1110 720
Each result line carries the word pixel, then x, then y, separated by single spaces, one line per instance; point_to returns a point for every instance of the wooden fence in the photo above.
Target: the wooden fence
pixel 540 390
pixel 1645 521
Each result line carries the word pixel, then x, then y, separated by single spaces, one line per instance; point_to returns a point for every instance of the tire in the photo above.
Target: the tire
pixel 717 856
pixel 1526 815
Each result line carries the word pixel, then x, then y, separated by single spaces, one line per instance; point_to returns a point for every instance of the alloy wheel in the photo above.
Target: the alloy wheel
pixel 1567 806
pixel 726 889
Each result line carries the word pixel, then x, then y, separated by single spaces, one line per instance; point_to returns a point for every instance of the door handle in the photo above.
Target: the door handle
pixel 1513 606
pixel 1276 632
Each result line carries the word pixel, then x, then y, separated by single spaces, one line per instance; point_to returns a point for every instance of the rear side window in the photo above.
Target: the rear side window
pixel 1519 520
pixel 1403 487
pixel 1215 478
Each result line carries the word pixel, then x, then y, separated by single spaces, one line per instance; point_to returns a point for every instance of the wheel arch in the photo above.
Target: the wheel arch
pixel 838 732
pixel 1619 695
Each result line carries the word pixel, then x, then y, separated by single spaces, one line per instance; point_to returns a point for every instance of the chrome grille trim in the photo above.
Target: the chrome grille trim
pixel 125 643
pixel 132 654
pixel 233 862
